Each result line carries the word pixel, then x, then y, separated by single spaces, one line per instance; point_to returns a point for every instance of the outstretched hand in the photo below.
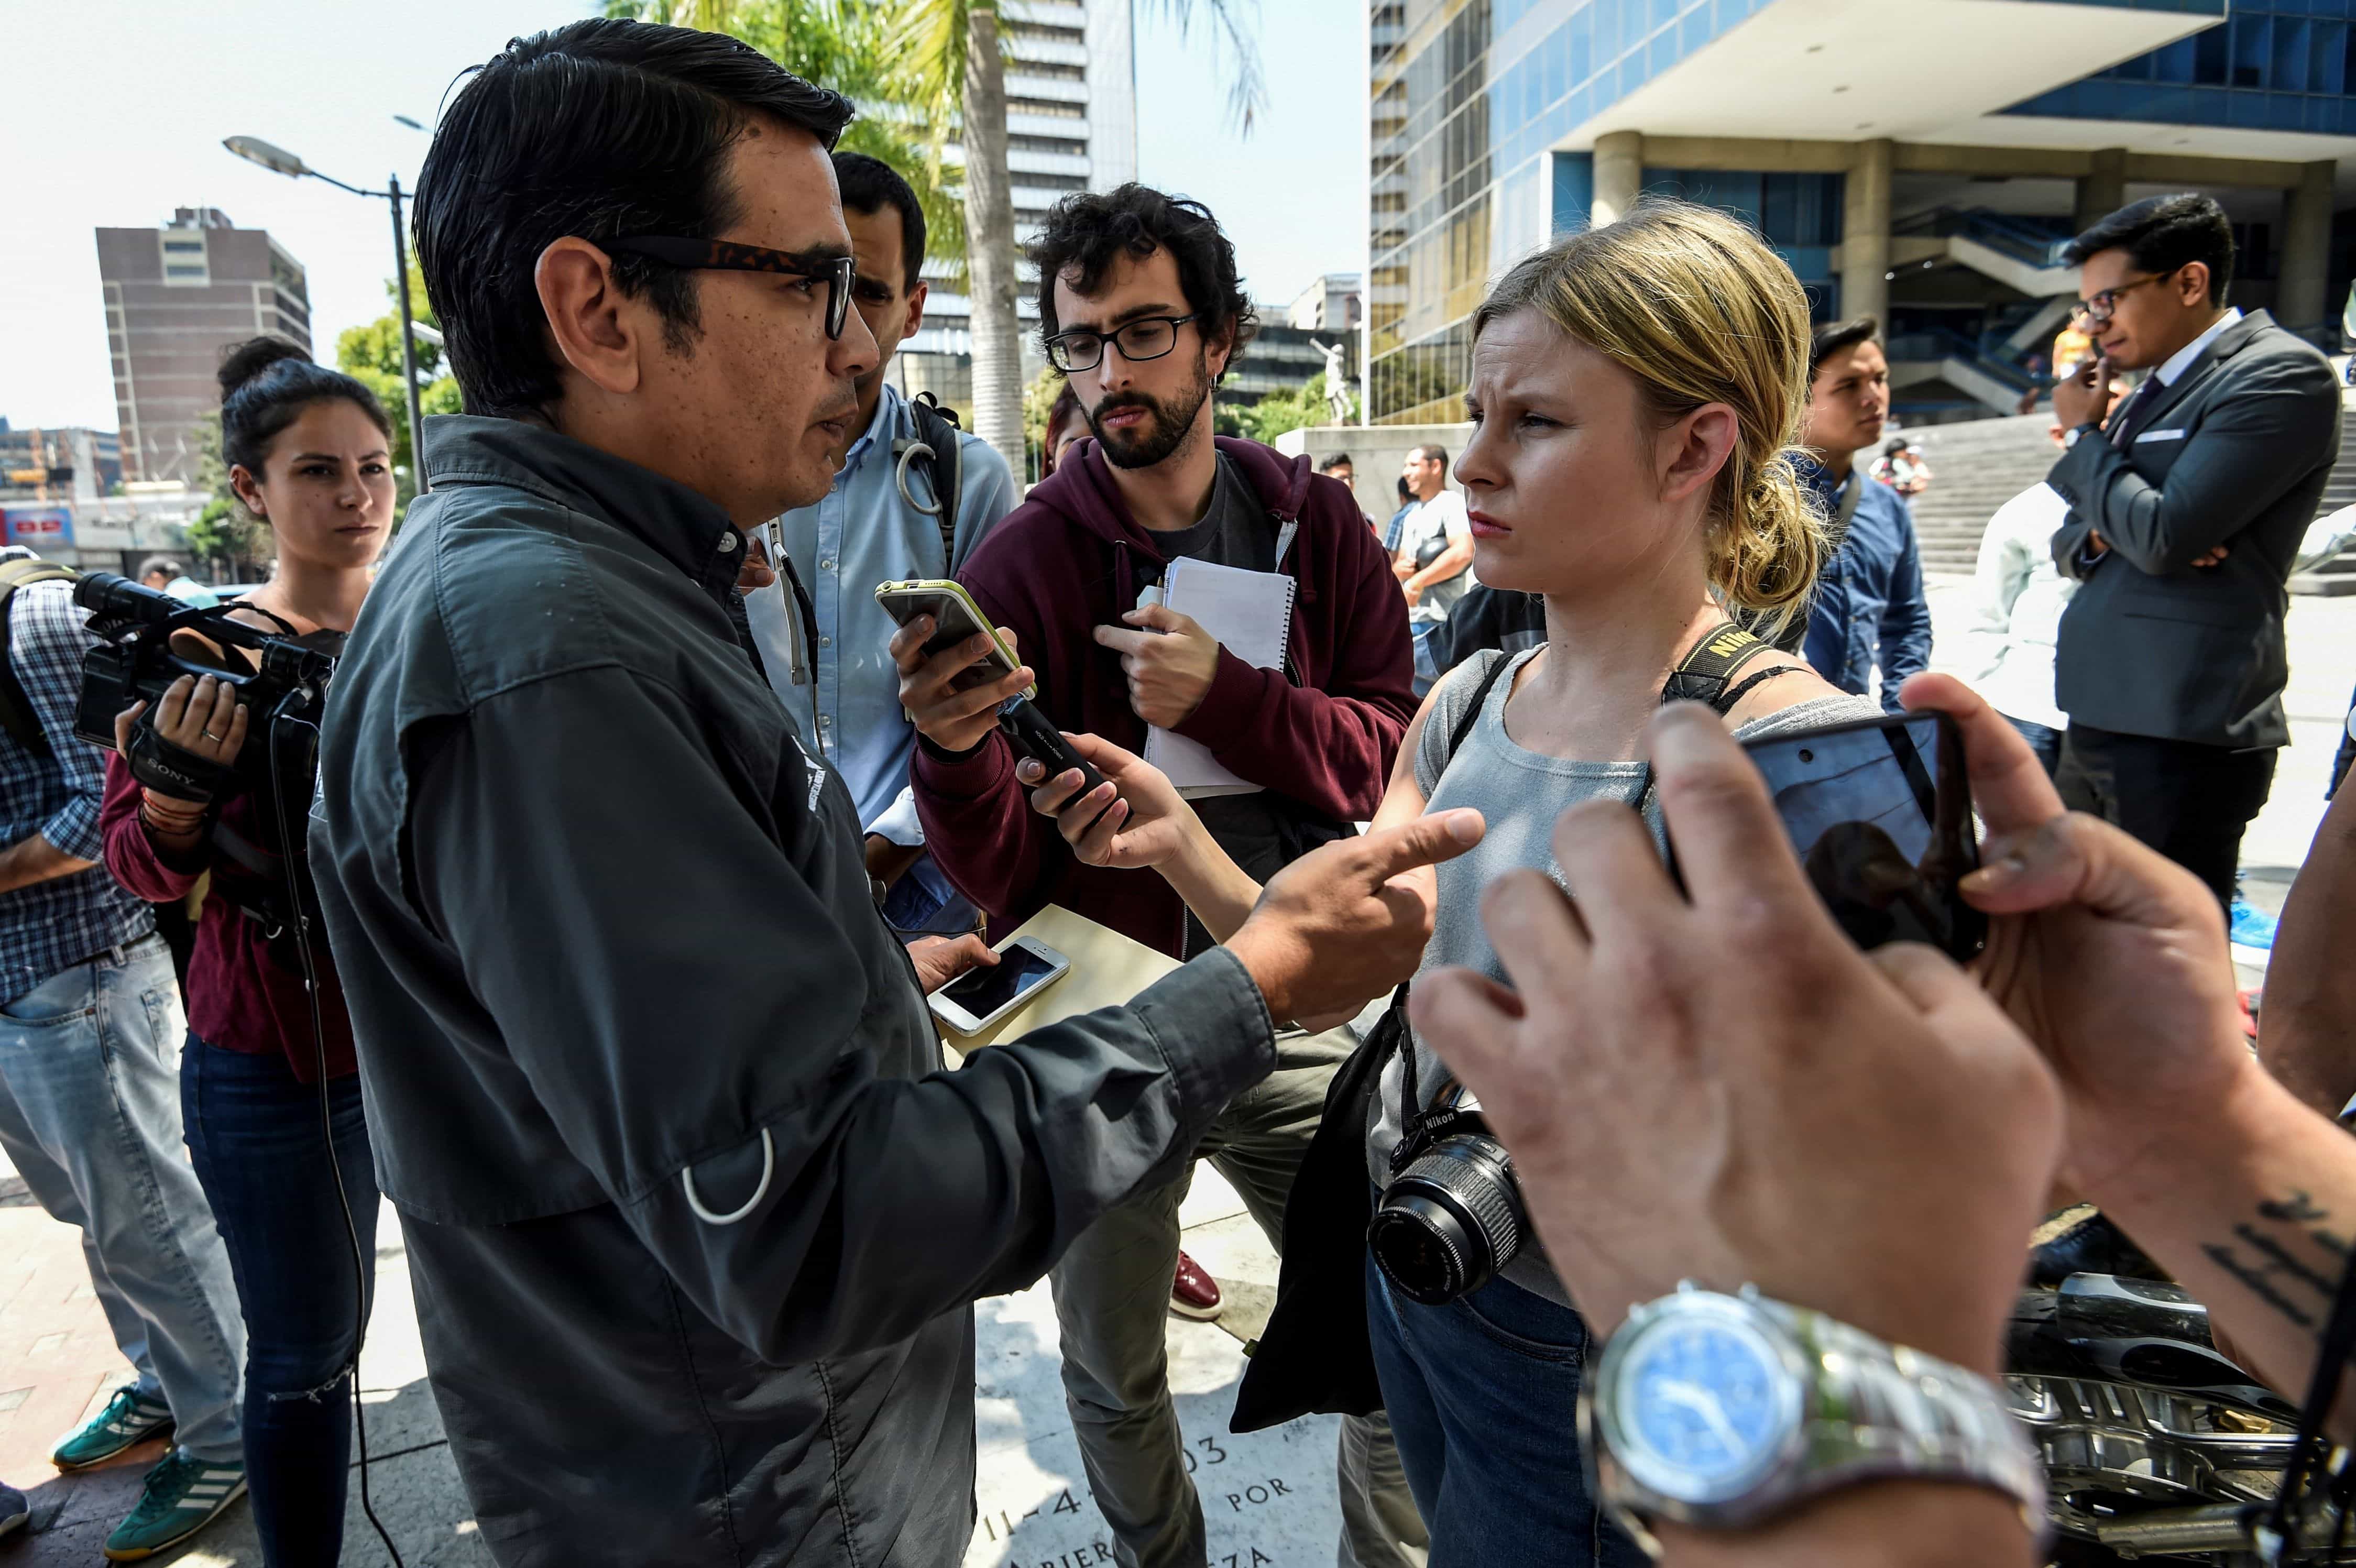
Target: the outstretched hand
pixel 1348 921
pixel 1135 817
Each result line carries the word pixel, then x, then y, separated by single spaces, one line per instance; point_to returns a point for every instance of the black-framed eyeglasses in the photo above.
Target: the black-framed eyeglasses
pixel 2099 307
pixel 1147 337
pixel 840 273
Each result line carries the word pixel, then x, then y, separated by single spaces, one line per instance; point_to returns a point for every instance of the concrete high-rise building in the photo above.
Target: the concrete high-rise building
pixel 1917 160
pixel 1071 124
pixel 176 297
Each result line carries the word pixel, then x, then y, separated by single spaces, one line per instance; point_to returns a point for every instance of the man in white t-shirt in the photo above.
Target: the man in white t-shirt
pixel 1434 561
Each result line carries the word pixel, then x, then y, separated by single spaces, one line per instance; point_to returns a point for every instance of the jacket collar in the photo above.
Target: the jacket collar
pixel 2222 347
pixel 1082 488
pixel 684 527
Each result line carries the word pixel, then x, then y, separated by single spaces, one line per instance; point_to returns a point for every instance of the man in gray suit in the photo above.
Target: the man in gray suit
pixel 2186 503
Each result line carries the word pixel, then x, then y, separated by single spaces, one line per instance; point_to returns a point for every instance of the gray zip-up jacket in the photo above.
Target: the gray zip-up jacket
pixel 605 927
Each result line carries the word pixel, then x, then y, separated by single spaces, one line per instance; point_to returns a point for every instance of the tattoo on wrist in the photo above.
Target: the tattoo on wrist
pixel 2300 1290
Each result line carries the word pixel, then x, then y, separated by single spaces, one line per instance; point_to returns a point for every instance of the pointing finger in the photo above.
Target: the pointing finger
pixel 1426 841
pixel 1122 639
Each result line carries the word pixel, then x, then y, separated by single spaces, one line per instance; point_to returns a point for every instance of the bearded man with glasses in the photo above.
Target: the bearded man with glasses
pixel 1140 309
pixel 2188 501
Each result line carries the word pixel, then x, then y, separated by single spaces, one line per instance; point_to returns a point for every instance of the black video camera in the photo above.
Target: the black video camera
pixel 134 662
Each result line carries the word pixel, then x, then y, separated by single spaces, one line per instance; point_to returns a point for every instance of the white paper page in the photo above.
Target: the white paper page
pixel 1250 613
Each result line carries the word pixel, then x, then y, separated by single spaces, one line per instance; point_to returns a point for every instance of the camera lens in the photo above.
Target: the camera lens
pixel 1449 1221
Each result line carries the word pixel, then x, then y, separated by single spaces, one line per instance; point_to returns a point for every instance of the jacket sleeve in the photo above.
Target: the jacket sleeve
pixel 979 825
pixel 1997 580
pixel 132 857
pixel 2261 437
pixel 693 1005
pixel 1330 748
pixel 1905 640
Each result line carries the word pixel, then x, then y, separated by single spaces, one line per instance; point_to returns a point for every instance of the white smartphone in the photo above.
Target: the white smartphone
pixel 981 997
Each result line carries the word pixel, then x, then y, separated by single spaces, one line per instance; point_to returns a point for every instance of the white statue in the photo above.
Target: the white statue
pixel 1337 381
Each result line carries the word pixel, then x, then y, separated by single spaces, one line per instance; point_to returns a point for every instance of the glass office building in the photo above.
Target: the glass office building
pixel 1919 161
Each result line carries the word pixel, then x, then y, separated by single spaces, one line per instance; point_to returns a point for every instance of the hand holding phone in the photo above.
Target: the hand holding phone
pixel 955 668
pixel 981 997
pixel 1881 812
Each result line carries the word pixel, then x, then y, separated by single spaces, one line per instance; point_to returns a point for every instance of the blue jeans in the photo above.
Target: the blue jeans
pixel 2043 739
pixel 1427 669
pixel 1483 1395
pixel 90 1113
pixel 255 1140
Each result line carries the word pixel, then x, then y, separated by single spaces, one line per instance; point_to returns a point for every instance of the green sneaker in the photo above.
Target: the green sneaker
pixel 184 1495
pixel 130 1417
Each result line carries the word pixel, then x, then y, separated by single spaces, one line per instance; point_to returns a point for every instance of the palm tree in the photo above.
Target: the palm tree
pixel 950 66
pixel 938 67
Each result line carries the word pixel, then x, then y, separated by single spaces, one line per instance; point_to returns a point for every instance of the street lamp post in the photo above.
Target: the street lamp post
pixel 278 160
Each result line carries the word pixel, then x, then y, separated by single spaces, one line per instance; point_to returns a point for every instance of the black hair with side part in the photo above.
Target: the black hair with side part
pixel 266 383
pixel 1088 230
pixel 602 130
pixel 871 185
pixel 2160 234
pixel 1338 461
pixel 1832 336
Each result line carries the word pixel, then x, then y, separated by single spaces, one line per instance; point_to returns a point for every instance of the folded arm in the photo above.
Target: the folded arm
pixel 2247 451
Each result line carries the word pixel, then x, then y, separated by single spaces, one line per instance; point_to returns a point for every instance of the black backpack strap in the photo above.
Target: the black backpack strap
pixel 939 444
pixel 1472 714
pixel 19 722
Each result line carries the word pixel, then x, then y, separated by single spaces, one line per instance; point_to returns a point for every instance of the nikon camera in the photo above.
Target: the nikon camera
pixel 1453 1215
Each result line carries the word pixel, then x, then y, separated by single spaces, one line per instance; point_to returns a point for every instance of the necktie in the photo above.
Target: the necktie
pixel 2130 411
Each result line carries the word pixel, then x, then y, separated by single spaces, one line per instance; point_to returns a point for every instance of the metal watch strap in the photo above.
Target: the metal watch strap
pixel 1872 1410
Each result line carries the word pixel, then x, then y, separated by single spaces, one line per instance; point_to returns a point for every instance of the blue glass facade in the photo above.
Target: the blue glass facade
pixel 2290 66
pixel 1470 97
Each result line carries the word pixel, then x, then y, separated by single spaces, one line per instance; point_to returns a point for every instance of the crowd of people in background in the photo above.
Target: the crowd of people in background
pixel 643 829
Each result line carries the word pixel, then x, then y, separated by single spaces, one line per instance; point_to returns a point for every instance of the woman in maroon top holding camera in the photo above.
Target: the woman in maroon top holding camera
pixel 309 454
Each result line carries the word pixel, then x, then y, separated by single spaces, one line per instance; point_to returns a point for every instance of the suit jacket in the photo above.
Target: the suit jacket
pixel 2236 452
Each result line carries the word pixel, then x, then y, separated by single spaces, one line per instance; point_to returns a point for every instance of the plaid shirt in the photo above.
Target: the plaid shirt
pixel 48 927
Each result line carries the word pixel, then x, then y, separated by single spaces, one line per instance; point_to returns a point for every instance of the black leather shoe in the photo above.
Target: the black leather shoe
pixel 2092 1246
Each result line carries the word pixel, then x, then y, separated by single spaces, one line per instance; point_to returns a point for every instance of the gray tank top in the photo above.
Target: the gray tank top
pixel 1520 794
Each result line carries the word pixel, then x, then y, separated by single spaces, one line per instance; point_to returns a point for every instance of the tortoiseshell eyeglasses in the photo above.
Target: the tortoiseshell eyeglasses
pixel 837 273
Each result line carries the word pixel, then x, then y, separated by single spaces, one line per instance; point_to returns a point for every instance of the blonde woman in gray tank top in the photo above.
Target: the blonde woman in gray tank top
pixel 1634 393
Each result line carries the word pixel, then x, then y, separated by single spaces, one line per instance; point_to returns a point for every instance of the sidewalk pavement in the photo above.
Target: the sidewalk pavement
pixel 1268 1498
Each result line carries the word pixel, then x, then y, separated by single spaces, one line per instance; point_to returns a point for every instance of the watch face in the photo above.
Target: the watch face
pixel 1704 1404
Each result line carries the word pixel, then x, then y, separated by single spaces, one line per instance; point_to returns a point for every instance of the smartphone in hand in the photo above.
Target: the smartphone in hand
pixel 1881 812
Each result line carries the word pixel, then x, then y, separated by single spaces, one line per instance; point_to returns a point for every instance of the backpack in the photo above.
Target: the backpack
pixel 1315 1355
pixel 18 720
pixel 938 443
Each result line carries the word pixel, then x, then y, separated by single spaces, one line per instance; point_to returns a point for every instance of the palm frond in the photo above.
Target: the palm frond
pixel 1235 49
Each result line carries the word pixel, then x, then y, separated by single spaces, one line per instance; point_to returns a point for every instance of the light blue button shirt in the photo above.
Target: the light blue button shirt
pixel 862 533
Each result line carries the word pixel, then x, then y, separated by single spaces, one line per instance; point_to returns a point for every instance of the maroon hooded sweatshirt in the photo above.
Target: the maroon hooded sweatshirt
pixel 1321 731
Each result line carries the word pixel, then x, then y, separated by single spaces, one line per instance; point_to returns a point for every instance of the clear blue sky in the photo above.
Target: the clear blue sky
pixel 115 110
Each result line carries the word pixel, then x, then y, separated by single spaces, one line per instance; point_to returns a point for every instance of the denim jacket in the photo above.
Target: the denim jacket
pixel 1869 604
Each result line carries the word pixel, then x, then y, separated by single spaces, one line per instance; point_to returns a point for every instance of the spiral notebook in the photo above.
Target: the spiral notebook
pixel 1251 615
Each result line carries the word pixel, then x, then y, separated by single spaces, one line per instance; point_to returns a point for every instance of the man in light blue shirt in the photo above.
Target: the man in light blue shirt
pixel 829 662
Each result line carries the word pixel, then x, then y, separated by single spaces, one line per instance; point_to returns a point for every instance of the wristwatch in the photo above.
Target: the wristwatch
pixel 1723 1411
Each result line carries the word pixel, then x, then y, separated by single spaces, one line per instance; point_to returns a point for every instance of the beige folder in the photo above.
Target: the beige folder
pixel 1107 970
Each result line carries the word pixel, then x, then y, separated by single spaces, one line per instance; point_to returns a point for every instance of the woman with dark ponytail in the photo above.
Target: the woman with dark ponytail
pixel 309 453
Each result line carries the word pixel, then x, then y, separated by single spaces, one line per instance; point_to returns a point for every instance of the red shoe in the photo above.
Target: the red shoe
pixel 1195 1294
